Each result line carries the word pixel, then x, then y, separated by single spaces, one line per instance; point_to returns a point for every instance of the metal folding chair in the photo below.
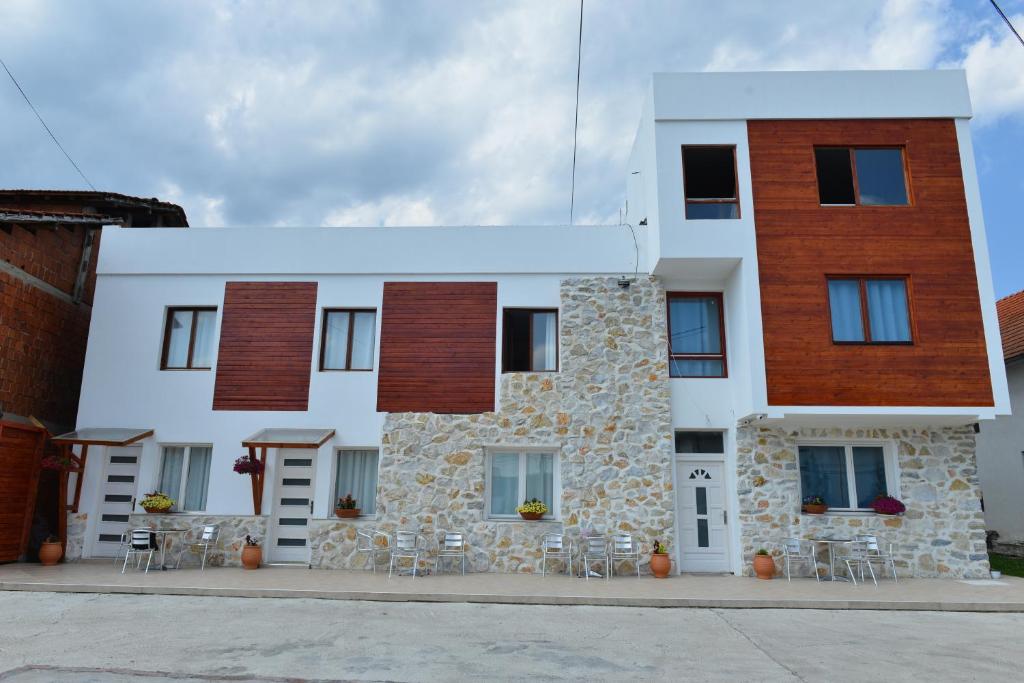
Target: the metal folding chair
pixel 199 541
pixel 555 547
pixel 373 542
pixel 886 558
pixel 409 545
pixel 140 545
pixel 624 548
pixel 452 546
pixel 796 550
pixel 856 555
pixel 595 549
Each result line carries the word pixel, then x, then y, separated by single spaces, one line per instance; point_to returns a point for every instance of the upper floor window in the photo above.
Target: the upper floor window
pixel 709 182
pixel 846 476
pixel 188 339
pixel 869 310
pixel 518 476
pixel 185 476
pixel 529 340
pixel 696 335
pixel 347 339
pixel 869 176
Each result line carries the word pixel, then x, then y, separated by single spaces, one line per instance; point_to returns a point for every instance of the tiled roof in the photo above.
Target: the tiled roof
pixel 1011 324
pixel 15 215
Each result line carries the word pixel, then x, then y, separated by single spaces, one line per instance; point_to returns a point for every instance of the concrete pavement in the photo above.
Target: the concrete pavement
pixel 79 637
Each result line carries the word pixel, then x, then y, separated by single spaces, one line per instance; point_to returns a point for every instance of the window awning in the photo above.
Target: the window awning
pixel 103 436
pixel 288 438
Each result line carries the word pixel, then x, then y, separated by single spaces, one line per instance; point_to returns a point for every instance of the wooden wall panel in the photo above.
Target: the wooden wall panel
pixel 20 452
pixel 266 346
pixel 799 242
pixel 437 347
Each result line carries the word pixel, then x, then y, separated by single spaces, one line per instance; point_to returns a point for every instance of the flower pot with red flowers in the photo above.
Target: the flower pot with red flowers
pixel 764 565
pixel 887 505
pixel 814 505
pixel 156 502
pixel 346 507
pixel 50 551
pixel 252 553
pixel 661 563
pixel 532 510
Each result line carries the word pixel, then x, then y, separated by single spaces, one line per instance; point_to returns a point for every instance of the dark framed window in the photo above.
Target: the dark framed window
pixel 861 176
pixel 709 182
pixel 700 442
pixel 847 476
pixel 347 337
pixel 188 338
pixel 696 334
pixel 869 310
pixel 529 340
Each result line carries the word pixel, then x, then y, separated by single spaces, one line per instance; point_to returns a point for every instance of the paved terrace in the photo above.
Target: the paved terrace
pixel 94 576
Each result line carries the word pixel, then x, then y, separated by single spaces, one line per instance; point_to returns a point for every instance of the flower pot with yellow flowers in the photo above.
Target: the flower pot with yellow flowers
pixel 156 502
pixel 532 510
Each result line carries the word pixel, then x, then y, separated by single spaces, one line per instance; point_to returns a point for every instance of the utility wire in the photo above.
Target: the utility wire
pixel 1006 19
pixel 52 136
pixel 576 123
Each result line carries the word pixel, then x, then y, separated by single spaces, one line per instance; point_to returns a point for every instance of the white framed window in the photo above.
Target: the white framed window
pixel 849 476
pixel 355 473
pixel 185 476
pixel 516 475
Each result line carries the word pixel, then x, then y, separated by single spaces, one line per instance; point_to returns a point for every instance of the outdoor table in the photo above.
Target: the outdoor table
pixel 163 543
pixel 830 542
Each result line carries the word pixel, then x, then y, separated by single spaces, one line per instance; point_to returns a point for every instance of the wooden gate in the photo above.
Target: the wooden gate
pixel 21 447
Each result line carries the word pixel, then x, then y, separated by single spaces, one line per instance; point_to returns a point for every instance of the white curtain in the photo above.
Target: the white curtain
pixel 545 342
pixel 202 353
pixel 198 479
pixel 540 478
pixel 869 474
pixel 887 310
pixel 362 339
pixel 356 474
pixel 844 302
pixel 504 483
pixel 180 332
pixel 823 473
pixel 336 340
pixel 170 473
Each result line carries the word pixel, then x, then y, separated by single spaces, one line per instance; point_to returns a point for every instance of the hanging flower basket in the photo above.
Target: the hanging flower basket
pixel 247 465
pixel 55 463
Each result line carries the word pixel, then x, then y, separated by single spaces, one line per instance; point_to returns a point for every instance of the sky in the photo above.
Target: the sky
pixel 442 112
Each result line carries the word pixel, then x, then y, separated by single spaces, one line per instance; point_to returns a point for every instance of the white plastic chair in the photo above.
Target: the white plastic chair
pixel 409 545
pixel 795 550
pixel 886 558
pixel 624 548
pixel 595 549
pixel 373 542
pixel 140 545
pixel 452 546
pixel 556 547
pixel 200 541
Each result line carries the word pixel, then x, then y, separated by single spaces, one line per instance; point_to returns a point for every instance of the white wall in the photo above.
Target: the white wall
pixel 1001 464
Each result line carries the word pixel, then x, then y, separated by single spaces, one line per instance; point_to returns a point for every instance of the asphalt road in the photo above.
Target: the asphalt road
pixel 68 637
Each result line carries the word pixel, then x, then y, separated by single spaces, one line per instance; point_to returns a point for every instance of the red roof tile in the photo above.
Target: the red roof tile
pixel 1011 324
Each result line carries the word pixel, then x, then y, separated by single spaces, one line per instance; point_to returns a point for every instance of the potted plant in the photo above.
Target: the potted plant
pixel 661 563
pixel 156 502
pixel 887 505
pixel 50 551
pixel 532 510
pixel 814 505
pixel 247 465
pixel 346 507
pixel 251 553
pixel 764 565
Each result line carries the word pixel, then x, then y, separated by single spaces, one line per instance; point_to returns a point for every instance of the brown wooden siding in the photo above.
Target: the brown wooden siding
pixel 266 346
pixel 799 242
pixel 437 347
pixel 20 451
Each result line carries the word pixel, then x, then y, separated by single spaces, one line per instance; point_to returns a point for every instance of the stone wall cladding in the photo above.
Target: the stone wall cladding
pixel 232 532
pixel 607 413
pixel 942 533
pixel 75 544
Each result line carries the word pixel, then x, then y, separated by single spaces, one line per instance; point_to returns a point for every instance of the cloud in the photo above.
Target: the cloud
pixel 995 72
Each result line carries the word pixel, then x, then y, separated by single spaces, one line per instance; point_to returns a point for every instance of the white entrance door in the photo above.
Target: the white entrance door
pixel 120 482
pixel 703 535
pixel 293 505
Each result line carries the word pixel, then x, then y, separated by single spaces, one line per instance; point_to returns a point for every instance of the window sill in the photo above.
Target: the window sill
pixel 520 520
pixel 335 518
pixel 842 512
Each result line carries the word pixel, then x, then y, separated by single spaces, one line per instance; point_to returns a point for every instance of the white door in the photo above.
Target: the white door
pixel 293 505
pixel 701 514
pixel 120 483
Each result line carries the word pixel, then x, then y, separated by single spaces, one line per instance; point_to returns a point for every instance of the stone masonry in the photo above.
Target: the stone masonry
pixel 942 533
pixel 606 413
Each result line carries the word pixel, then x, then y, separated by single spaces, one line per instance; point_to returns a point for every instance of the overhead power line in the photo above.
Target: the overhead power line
pixel 576 123
pixel 1007 20
pixel 52 136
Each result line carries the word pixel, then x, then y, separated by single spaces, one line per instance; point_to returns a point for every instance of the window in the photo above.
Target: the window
pixel 188 339
pixel 869 310
pixel 529 340
pixel 347 339
pixel 869 176
pixel 186 469
pixel 700 442
pixel 355 472
pixel 709 182
pixel 846 476
pixel 696 335
pixel 515 476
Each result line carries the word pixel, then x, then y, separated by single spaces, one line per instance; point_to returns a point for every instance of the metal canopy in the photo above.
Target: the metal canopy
pixel 288 438
pixel 103 436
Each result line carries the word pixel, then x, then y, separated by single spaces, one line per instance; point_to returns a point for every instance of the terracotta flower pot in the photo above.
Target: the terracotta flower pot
pixel 251 556
pixel 50 553
pixel 531 516
pixel 661 565
pixel 154 511
pixel 812 509
pixel 347 514
pixel 764 566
